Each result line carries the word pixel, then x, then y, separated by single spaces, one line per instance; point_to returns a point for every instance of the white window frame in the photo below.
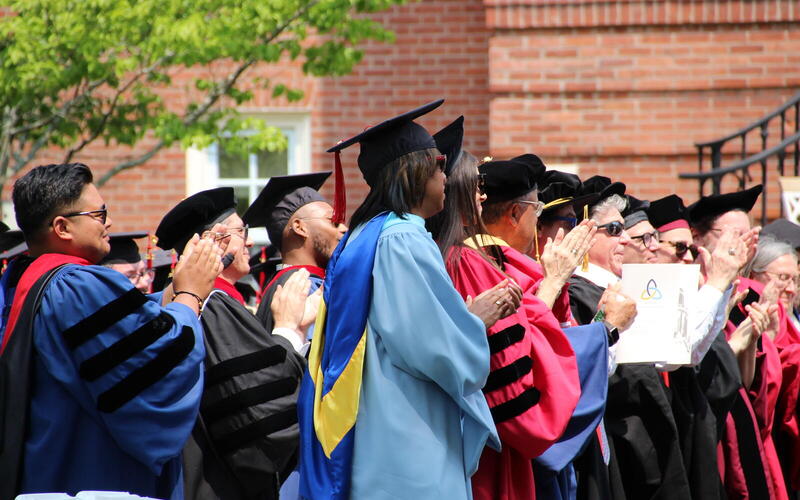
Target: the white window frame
pixel 202 169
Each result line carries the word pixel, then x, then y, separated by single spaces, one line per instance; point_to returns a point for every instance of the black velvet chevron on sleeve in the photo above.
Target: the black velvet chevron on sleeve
pixel 145 376
pixel 102 319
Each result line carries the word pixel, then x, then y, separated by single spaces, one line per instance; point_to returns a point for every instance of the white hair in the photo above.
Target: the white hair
pixel 768 250
pixel 613 201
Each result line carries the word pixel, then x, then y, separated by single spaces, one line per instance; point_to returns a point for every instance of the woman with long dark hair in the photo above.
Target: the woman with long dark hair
pixel 391 406
pixel 533 386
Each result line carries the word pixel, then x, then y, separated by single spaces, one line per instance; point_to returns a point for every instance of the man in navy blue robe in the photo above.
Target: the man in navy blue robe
pixel 99 383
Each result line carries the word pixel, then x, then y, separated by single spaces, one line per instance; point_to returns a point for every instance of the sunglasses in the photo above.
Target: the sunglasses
pixel 613 228
pixel 441 162
pixel 571 221
pixel 647 238
pixel 681 247
pixel 100 215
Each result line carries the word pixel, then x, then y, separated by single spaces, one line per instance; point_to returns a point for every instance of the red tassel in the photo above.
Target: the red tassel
pixel 262 276
pixel 339 197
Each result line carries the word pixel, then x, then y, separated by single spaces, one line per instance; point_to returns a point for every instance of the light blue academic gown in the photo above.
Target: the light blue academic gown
pixel 422 419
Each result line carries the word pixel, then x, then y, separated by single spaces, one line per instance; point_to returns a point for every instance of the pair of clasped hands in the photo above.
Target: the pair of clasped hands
pixel 199 265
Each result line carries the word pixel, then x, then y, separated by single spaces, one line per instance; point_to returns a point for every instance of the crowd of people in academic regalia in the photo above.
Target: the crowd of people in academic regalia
pixel 458 341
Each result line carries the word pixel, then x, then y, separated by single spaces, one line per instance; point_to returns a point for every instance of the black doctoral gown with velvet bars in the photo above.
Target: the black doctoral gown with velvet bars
pixel 645 455
pixel 245 441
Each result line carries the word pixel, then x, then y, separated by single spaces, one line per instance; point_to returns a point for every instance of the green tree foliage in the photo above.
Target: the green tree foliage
pixel 73 72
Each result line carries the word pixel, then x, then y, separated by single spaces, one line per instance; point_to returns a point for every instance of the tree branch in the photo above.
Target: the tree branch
pixel 211 99
pixel 94 135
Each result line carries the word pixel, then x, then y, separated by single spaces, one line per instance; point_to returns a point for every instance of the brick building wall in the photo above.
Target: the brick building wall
pixel 621 88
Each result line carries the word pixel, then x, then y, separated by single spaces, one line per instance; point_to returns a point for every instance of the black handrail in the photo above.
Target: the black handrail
pixel 779 151
pixel 784 107
pixel 715 147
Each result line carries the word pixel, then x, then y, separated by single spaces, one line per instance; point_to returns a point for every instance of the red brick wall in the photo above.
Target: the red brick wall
pixel 625 88
pixel 622 88
pixel 442 50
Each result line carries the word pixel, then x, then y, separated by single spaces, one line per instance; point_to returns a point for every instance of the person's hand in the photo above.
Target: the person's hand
pixel 197 268
pixel 562 255
pixel 751 328
pixel 736 298
pixel 289 301
pixel 619 309
pixel 498 302
pixel 723 265
pixel 750 239
pixel 769 299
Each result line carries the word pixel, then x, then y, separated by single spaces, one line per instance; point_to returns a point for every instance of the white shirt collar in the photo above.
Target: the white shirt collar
pixel 597 275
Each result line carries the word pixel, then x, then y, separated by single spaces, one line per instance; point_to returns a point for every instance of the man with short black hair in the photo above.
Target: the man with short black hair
pixel 106 380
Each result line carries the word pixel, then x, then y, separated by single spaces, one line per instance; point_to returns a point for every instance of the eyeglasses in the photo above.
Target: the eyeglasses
pixel 571 221
pixel 647 238
pixel 241 232
pixel 441 162
pixel 681 247
pixel 539 206
pixel 100 215
pixel 482 183
pixel 784 278
pixel 613 228
pixel 136 277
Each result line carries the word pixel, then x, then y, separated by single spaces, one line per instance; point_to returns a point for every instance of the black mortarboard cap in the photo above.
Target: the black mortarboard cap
pixel 557 188
pixel 717 204
pixel 194 215
pixel 784 230
pixel 602 186
pixel 448 142
pixel 509 179
pixel 635 211
pixel 280 199
pixel 389 140
pixel 668 213
pixel 10 239
pixel 124 249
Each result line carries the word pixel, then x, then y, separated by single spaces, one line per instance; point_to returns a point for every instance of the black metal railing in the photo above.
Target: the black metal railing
pixel 712 153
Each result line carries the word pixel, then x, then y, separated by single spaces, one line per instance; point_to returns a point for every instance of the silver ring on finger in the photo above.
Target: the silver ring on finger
pixel 731 251
pixel 498 302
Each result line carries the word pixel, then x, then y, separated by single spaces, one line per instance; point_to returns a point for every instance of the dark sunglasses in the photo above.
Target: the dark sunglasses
pixel 482 183
pixel 99 215
pixel 571 221
pixel 441 162
pixel 613 228
pixel 681 248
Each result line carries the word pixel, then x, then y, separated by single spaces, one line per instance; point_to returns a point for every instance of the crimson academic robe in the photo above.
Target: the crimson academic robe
pixel 748 459
pixel 787 426
pixel 533 385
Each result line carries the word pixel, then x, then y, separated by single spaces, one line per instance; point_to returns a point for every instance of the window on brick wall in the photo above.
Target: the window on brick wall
pixel 214 167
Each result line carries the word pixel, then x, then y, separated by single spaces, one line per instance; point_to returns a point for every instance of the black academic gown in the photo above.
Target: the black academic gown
pixel 264 313
pixel 246 437
pixel 701 398
pixel 646 460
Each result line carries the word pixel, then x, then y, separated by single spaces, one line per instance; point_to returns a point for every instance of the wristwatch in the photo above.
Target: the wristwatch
pixel 612 332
